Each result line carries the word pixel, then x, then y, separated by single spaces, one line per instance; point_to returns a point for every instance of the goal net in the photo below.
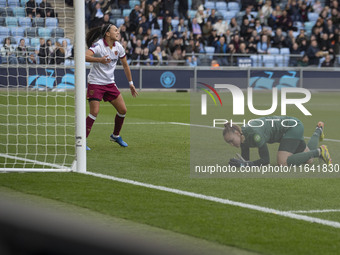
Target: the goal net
pixel 37 88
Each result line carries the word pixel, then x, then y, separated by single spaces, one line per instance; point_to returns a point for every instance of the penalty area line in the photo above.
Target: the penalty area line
pixel 316 211
pixel 286 214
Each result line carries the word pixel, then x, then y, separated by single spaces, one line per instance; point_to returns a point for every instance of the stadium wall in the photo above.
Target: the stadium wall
pixel 178 77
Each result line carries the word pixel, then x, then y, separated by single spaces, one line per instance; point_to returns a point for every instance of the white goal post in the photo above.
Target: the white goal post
pixel 43 105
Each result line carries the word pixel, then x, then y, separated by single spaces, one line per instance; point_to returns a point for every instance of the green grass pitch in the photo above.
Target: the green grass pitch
pixel 159 154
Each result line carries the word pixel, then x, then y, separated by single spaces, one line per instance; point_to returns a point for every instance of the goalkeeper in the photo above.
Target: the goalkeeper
pixel 292 149
pixel 105 51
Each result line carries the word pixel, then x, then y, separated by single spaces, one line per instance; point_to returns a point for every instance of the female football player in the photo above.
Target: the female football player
pixel 288 131
pixel 104 51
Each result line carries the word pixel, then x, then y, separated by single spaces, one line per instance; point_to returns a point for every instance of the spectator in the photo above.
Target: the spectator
pixel 31 8
pixel 153 44
pixel 168 7
pixel 134 17
pixel 290 39
pixel 143 23
pixel 124 34
pixel 67 49
pixel 183 9
pixel 196 28
pixel 212 17
pixel 212 38
pixel 178 56
pixel 167 26
pixel 313 53
pixel 304 12
pixel 246 30
pixel 329 28
pixel 294 11
pixel 235 42
pixel 181 29
pixel 42 52
pixel 301 36
pixel 263 45
pixel 206 30
pixel 317 7
pixel 265 12
pixel 304 61
pixel 325 44
pixel 335 17
pixel 328 62
pixel 279 41
pixel 58 55
pixel 221 48
pixel 46 10
pixel 196 4
pixel 8 52
pixel 123 4
pixel 242 49
pixel 273 20
pixel 146 58
pixel 159 56
pixel 293 60
pixel 191 61
pixel 258 26
pixel 234 27
pixel 303 46
pixel 249 16
pixel 201 15
pixel 22 52
pixel 136 56
pixel 97 13
pixel 285 22
pixel 151 17
pixel 214 64
pixel 105 20
pixel 220 27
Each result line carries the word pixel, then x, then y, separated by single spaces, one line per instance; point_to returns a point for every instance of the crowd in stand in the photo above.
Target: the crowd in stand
pixel 262 26
pixel 45 53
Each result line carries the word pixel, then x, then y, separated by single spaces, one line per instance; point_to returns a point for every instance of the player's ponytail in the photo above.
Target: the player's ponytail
pixel 231 128
pixel 96 33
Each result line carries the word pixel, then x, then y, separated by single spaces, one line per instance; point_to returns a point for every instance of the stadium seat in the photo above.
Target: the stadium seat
pixel 313 16
pixel 234 6
pixel 38 2
pixel 268 60
pixel 119 22
pixel 221 6
pixel 38 22
pixel 13 3
pixel 132 3
pixel 3 3
pixel 44 32
pixel 19 11
pixel 11 21
pixel 273 51
pixel 4 31
pixel 174 23
pixel 308 27
pixel 126 12
pixel 8 12
pixel 228 15
pixel 254 14
pixel 256 60
pixel 17 31
pixel 192 14
pixel 34 42
pixel 2 21
pixel 58 32
pixel 209 5
pixel 116 13
pixel 51 22
pixel 279 61
pixel 2 38
pixel 210 51
pixel 31 32
pixel 23 2
pixel 25 22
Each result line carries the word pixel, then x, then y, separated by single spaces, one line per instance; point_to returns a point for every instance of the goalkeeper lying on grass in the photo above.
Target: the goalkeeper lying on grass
pixel 289 133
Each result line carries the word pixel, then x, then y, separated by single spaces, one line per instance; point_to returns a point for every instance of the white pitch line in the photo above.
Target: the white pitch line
pixel 316 211
pixel 291 215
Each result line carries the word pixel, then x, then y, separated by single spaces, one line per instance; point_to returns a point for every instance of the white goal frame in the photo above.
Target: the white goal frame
pixel 79 163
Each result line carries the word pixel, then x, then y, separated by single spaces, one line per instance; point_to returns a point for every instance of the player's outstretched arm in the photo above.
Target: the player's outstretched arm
pixel 127 71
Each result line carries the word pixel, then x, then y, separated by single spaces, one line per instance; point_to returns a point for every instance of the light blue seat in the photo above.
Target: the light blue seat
pixel 58 32
pixel 25 22
pixel 44 32
pixel 221 6
pixel 234 6
pixel 34 42
pixel 209 5
pixel 119 22
pixel 17 31
pixel 11 21
pixel 31 32
pixel 174 23
pixel 210 51
pixel 60 40
pixel 268 60
pixel 228 15
pixel 279 61
pixel 38 22
pixel 126 12
pixel 4 31
pixel 13 3
pixel 313 16
pixel 3 3
pixel 19 11
pixel 51 22
pixel 256 60
pixel 273 51
pixel 18 38
pixel 133 3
